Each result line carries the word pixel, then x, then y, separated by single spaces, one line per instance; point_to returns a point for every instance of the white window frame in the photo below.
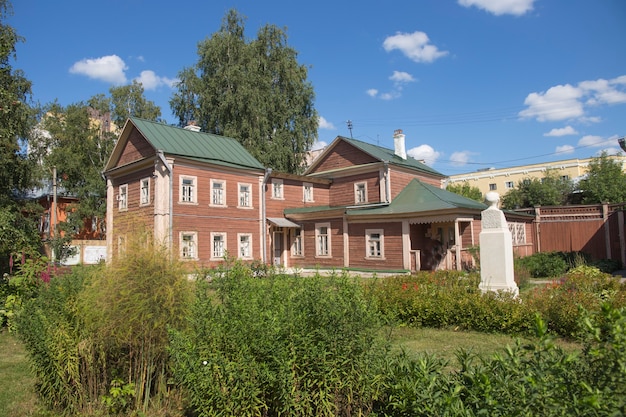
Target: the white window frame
pixel 278 192
pixel 122 197
pixel 144 191
pixel 188 251
pixel 218 195
pixel 360 192
pixel 215 256
pixel 323 241
pixel 518 233
pixel 307 192
pixel 297 242
pixel 370 251
pixel 240 252
pixel 509 185
pixel 188 193
pixel 244 196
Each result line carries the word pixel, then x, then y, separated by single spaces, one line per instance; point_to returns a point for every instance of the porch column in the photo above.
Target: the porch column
pixel 406 245
pixel 457 244
pixel 346 243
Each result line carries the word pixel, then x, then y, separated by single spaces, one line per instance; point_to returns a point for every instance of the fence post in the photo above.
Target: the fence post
pixel 607 230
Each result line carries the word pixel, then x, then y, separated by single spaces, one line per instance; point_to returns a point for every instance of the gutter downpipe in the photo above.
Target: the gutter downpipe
pixel 171 205
pixel 268 172
pixel 387 183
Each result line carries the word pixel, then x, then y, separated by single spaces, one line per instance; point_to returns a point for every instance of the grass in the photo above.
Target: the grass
pixel 17 397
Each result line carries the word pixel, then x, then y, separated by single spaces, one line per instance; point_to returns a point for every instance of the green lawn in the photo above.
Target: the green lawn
pixel 17 397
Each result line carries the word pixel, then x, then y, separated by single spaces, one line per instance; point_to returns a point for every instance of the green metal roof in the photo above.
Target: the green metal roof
pixel 384 154
pixel 200 146
pixel 419 197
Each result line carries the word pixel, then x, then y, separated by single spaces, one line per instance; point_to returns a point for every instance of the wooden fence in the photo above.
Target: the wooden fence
pixel 594 229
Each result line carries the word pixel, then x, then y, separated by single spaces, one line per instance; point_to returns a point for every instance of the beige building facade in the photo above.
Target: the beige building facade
pixel 502 180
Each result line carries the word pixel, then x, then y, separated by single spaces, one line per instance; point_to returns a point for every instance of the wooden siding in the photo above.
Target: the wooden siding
pixel 392 246
pixel 309 259
pixel 137 147
pixel 342 190
pixel 343 155
pixel 136 218
pixel 293 196
pixel 399 179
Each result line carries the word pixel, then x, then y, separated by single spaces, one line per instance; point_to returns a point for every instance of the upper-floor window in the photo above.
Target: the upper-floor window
pixel 565 177
pixel 218 193
pixel 188 244
pixel 296 246
pixel 374 243
pixel 307 191
pixel 188 189
pixel 277 189
pixel 322 239
pixel 509 185
pixel 245 195
pixel 122 197
pixel 245 246
pixel 493 187
pixel 218 245
pixel 144 191
pixel 360 193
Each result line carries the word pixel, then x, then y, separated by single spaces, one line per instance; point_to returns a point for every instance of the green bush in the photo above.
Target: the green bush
pixel 545 264
pixel 280 345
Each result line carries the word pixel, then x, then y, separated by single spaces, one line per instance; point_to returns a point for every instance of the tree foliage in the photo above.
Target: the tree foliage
pixel 551 190
pixel 466 190
pixel 605 181
pixel 129 101
pixel 253 91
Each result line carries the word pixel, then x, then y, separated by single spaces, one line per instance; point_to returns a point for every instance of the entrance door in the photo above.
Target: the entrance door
pixel 277 243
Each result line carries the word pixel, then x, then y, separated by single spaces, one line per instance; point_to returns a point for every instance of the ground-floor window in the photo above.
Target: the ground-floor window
pixel 374 243
pixel 188 245
pixel 218 245
pixel 245 246
pixel 322 238
pixel 296 246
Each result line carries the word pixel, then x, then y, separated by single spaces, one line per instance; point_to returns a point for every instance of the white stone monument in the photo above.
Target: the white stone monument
pixel 496 250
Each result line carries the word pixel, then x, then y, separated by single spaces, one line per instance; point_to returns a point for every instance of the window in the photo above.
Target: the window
pixel 121 244
pixel 296 246
pixel 277 189
pixel 187 189
pixel 245 199
pixel 122 197
pixel 565 177
pixel 245 246
pixel 188 245
pixel 509 185
pixel 322 239
pixel 307 191
pixel 218 193
pixel 518 233
pixel 360 193
pixel 374 243
pixel 144 191
pixel 492 187
pixel 218 245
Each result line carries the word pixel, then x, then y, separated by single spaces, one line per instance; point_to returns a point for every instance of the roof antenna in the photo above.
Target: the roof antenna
pixel 349 123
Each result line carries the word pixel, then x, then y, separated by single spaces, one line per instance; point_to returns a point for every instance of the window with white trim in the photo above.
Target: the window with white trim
pixel 509 185
pixel 187 189
pixel 277 189
pixel 144 191
pixel 296 246
pixel 121 244
pixel 245 195
pixel 360 193
pixel 518 233
pixel 122 197
pixel 218 193
pixel 322 239
pixel 188 245
pixel 374 243
pixel 493 187
pixel 218 245
pixel 245 245
pixel 307 192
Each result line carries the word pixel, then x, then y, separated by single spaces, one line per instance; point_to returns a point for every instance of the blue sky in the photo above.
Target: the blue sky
pixel 472 83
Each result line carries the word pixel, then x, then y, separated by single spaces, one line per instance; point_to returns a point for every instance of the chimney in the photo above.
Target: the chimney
pixel 398 143
pixel 193 126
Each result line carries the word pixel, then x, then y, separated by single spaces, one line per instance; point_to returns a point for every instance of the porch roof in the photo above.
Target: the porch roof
pixel 282 222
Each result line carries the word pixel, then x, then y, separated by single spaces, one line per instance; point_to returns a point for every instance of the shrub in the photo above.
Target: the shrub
pixel 545 264
pixel 280 345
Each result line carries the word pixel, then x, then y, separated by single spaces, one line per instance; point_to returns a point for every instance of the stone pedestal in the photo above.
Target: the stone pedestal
pixel 496 250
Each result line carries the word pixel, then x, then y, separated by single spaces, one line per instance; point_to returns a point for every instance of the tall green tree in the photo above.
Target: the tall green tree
pixel 254 91
pixel 605 181
pixel 551 190
pixel 129 101
pixel 18 232
pixel 466 190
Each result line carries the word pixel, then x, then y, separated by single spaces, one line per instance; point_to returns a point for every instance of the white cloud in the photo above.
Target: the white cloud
pixel 610 151
pixel 564 149
pixel 500 7
pixel 425 153
pixel 401 77
pixel 591 140
pixel 109 68
pixel 563 102
pixel 319 145
pixel 414 46
pixel 150 81
pixel 325 124
pixel 563 131
pixel 460 158
pixel 372 92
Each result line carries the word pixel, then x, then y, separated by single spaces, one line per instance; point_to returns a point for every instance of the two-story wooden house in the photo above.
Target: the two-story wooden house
pixel 357 206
